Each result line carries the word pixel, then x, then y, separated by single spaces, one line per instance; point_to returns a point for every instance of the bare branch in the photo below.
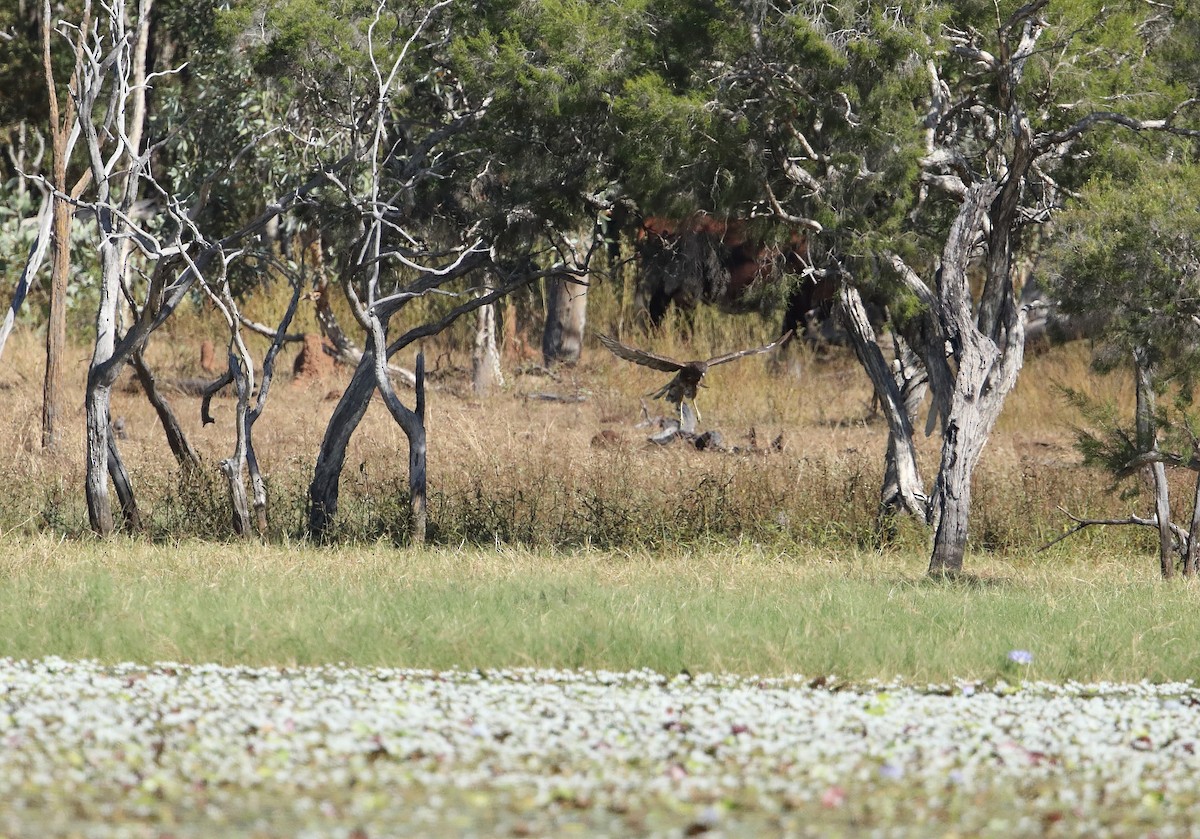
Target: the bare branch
pixel 784 215
pixel 912 282
pixel 1045 142
pixel 37 252
pixel 1178 532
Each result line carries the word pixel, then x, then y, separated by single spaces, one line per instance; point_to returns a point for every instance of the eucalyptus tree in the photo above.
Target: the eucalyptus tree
pixel 1009 113
pixel 918 144
pixel 558 72
pixel 1129 251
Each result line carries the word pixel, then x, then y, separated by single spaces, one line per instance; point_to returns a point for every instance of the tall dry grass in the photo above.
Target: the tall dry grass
pixel 515 468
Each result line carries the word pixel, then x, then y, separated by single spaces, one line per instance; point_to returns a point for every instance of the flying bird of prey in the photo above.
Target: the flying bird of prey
pixel 689 375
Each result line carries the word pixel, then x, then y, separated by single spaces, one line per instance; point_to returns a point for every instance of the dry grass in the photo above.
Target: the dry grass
pixel 515 468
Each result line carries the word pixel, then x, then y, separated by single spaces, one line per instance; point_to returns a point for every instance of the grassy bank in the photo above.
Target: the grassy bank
pixel 724 608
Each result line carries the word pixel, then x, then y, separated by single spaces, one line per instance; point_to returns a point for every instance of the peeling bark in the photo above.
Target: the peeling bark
pixel 903 489
pixel 987 372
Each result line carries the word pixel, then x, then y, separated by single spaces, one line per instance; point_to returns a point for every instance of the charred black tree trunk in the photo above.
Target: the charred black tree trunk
pixel 184 454
pixel 323 491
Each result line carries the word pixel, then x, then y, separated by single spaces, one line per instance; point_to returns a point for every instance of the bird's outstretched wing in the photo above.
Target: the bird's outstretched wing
pixel 646 359
pixel 734 356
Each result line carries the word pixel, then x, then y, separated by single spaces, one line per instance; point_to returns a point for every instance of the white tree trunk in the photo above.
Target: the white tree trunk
pixel 566 318
pixel 987 372
pixel 485 357
pixel 902 488
pixel 1146 426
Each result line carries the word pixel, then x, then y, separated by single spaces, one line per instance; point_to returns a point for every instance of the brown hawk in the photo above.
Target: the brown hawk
pixel 689 375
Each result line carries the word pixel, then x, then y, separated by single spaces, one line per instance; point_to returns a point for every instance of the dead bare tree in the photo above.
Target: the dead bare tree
pixel 241 373
pixel 178 251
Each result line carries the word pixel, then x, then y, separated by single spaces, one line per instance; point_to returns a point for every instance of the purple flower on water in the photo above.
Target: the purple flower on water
pixel 1020 656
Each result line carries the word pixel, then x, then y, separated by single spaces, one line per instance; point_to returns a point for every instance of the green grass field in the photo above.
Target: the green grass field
pixel 740 609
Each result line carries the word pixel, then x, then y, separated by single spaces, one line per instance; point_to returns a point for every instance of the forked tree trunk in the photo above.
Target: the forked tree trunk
pixel 323 492
pixel 566 318
pixel 987 371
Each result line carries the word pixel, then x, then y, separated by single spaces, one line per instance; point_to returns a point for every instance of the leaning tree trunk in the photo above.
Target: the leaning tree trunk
pixel 903 489
pixel 350 409
pixel 973 413
pixel 185 455
pixel 566 317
